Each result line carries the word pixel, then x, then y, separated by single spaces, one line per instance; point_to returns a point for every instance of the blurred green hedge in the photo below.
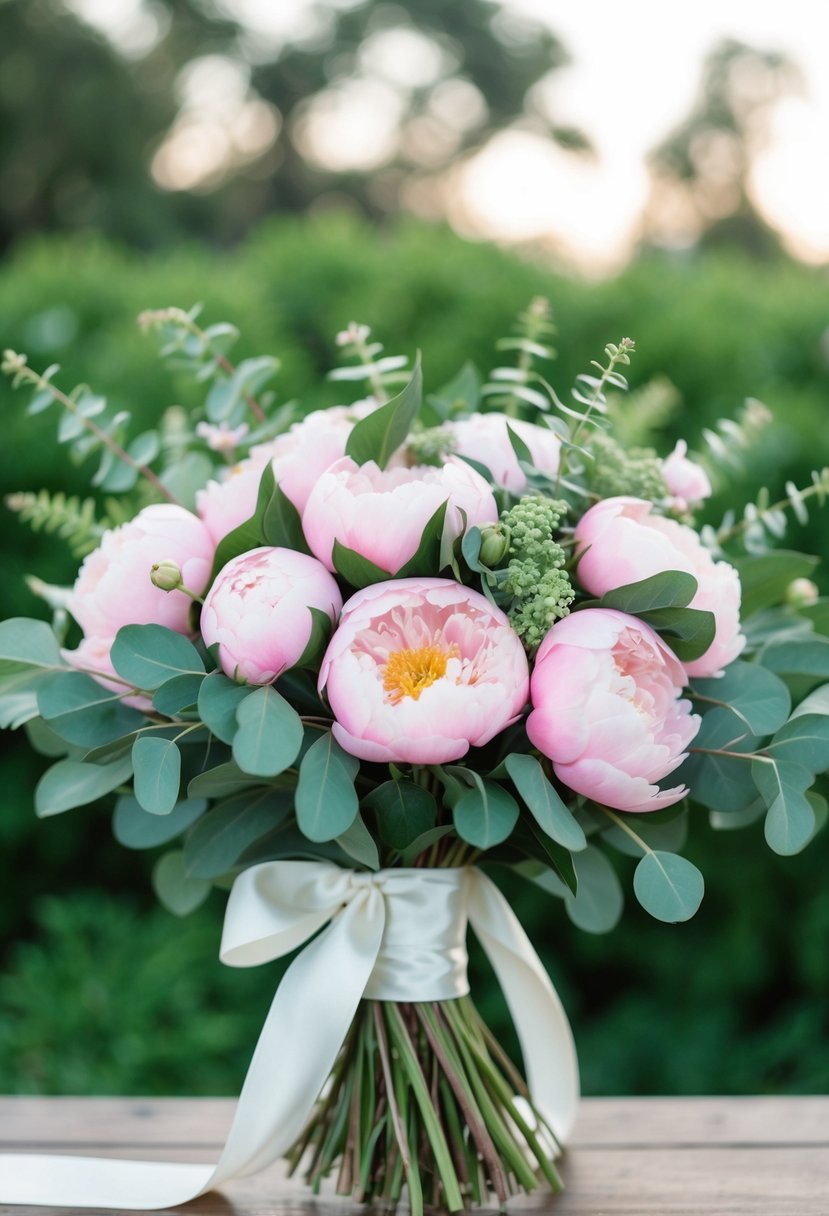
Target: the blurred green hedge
pixel 100 991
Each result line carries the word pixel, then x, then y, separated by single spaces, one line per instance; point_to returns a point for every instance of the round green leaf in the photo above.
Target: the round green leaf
pixel 326 801
pixel 135 828
pixel 485 815
pixel 157 774
pixel 147 655
pixel 269 735
pixel 668 886
pixel 177 891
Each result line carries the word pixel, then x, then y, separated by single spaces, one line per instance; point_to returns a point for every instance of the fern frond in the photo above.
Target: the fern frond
pixel 69 516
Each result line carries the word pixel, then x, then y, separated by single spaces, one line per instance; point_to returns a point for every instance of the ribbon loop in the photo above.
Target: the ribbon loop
pixel 397 935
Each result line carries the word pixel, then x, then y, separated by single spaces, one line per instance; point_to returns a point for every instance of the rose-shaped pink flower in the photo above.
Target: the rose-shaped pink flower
pixel 485 438
pixel 258 610
pixel 298 457
pixel 381 514
pixel 113 586
pixel 623 542
pixel 605 693
pixel 420 670
pixel 688 483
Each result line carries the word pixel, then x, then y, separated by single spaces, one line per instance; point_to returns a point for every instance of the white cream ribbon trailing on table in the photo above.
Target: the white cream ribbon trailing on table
pixel 397 935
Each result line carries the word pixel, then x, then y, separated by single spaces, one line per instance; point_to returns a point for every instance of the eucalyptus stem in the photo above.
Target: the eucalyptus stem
pixel 16 365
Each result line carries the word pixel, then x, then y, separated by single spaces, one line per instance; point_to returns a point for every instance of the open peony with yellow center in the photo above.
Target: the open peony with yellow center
pixel 421 669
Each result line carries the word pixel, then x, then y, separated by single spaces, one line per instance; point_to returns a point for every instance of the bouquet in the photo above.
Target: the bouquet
pixel 354 661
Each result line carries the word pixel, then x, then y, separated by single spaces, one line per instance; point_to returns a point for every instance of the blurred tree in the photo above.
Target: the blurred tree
pixel 701 172
pixel 212 119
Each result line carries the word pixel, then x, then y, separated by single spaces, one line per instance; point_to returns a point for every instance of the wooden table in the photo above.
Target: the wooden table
pixel 628 1156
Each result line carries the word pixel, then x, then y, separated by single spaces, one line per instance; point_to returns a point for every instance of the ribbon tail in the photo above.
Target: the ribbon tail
pixel 303 1033
pixel 543 1030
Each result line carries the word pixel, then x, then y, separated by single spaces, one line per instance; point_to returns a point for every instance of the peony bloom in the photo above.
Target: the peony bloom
pixel 258 611
pixel 624 542
pixel 381 514
pixel 298 457
pixel 687 481
pixel 484 437
pixel 421 669
pixel 606 710
pixel 113 586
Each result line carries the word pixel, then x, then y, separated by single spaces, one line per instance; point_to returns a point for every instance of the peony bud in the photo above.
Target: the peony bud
pixel 494 545
pixel 166 575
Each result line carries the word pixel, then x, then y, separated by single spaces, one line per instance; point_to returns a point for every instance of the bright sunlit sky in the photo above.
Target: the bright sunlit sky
pixel 634 74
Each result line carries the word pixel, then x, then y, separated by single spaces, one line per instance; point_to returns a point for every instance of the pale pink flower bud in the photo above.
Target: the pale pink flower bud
pixel 687 482
pixel 622 542
pixel 222 438
pixel 485 438
pixel 606 709
pixel 298 458
pixel 381 514
pixel 420 670
pixel 258 610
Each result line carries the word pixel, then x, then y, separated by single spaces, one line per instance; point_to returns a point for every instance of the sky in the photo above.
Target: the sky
pixel 634 74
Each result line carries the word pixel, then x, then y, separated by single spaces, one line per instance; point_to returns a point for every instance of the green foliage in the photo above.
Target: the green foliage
pixel 326 800
pixel 70 517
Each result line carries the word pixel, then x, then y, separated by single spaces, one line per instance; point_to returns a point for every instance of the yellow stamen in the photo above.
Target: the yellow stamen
pixel 408 672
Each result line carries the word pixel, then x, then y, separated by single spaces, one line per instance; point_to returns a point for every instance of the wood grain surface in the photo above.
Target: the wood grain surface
pixel 627 1157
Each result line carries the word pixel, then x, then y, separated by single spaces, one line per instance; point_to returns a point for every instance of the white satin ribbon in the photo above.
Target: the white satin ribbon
pixel 398 935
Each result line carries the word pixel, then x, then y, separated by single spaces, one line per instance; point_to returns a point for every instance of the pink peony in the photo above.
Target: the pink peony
pixel 258 611
pixel 624 542
pixel 687 481
pixel 113 586
pixel 606 710
pixel 484 437
pixel 381 514
pixel 299 457
pixel 420 669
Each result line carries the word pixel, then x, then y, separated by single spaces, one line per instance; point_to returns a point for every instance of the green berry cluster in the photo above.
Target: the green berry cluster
pixel 535 576
pixel 633 471
pixel 429 446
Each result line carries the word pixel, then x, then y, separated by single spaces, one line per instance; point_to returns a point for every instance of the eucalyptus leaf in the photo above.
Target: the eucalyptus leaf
pixel 29 641
pixel 157 773
pixel 71 783
pixel 817 702
pixel 667 886
pixel 552 814
pixel 230 828
pixel 179 893
pixel 598 904
pixel 135 828
pixel 149 655
pixel 485 815
pixel 326 800
pixel 668 836
pixel 807 656
pixel 358 843
pixel 804 741
pixel 177 694
pixel 752 692
pixel 463 390
pixel 219 698
pixel 790 821
pixel 82 711
pixel 220 781
pixel 269 735
pixel 404 812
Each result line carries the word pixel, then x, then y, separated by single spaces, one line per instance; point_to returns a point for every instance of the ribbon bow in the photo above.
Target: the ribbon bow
pixel 394 935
